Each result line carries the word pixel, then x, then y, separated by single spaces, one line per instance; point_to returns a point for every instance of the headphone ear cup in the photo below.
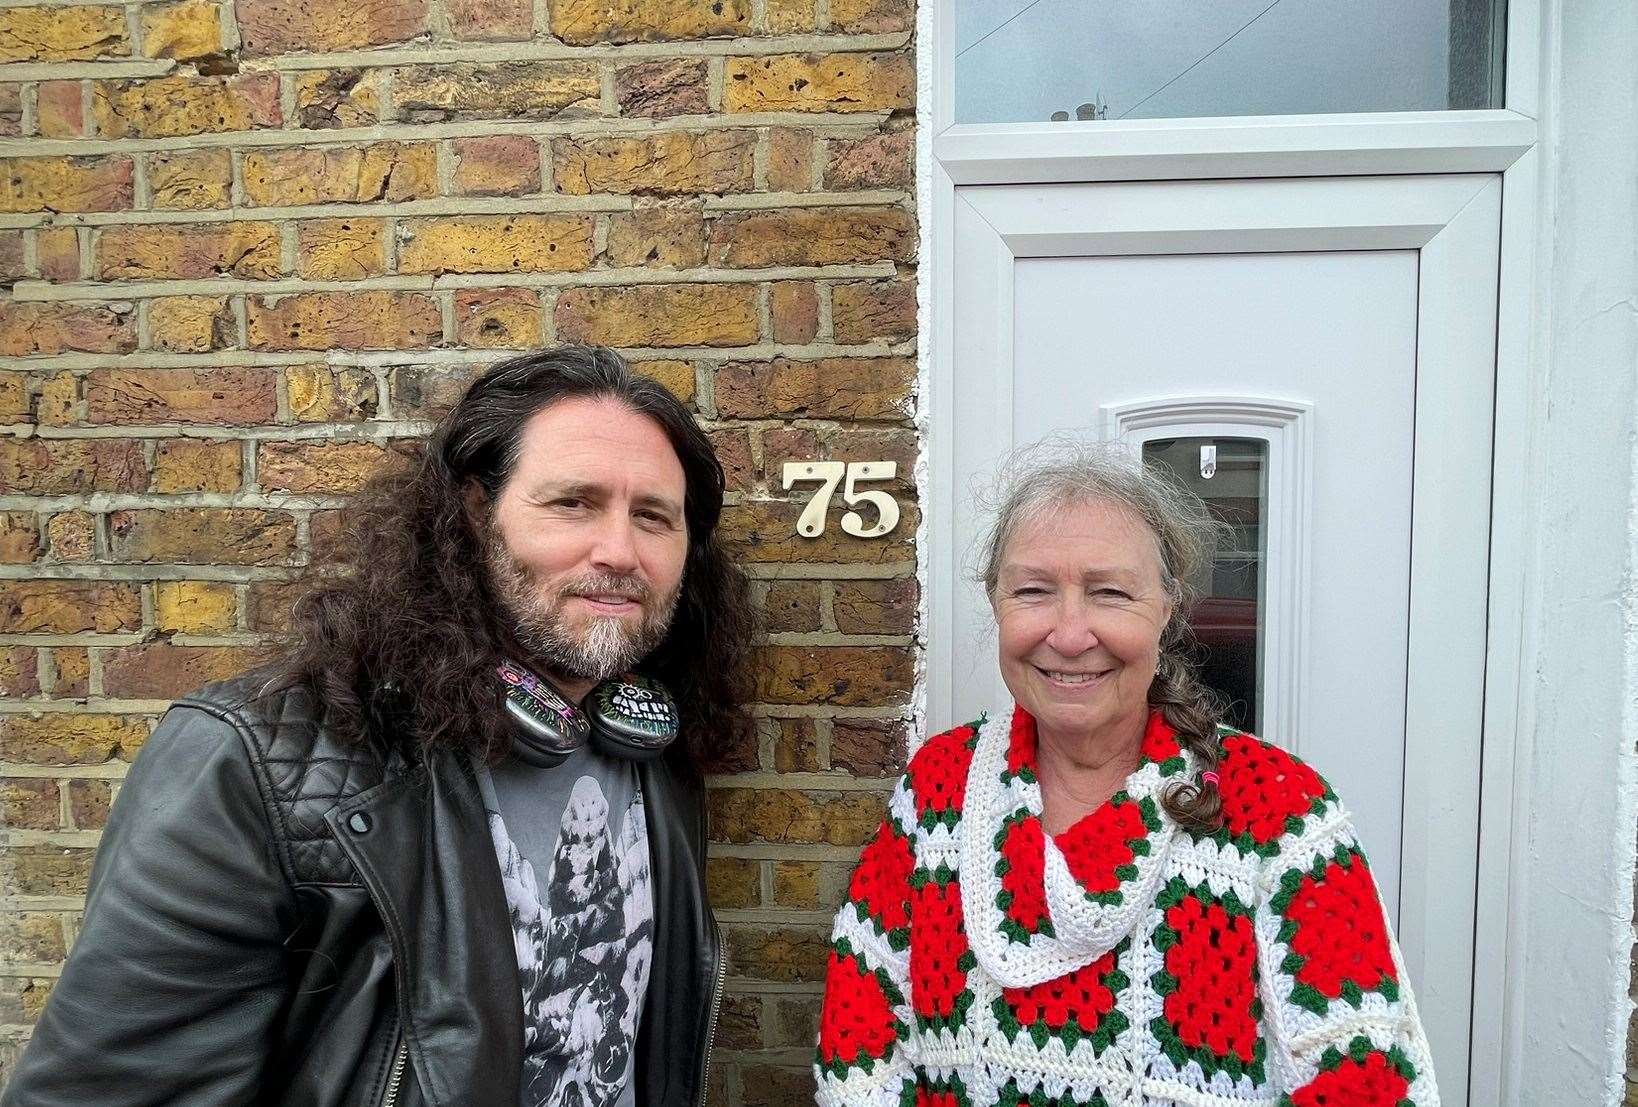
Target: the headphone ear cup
pixel 633 717
pixel 546 727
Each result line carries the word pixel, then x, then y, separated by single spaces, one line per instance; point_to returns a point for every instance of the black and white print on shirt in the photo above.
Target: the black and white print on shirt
pixel 584 950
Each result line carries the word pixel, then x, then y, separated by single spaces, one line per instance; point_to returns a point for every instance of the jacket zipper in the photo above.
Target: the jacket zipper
pixel 395 1079
pixel 711 1023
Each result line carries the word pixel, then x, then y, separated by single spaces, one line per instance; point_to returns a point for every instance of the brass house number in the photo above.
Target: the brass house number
pixel 827 475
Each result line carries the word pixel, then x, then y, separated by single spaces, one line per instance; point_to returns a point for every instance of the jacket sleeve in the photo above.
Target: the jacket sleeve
pixel 866 1049
pixel 1338 1003
pixel 171 991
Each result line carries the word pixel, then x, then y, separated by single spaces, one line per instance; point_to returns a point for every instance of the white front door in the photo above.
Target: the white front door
pixel 1316 357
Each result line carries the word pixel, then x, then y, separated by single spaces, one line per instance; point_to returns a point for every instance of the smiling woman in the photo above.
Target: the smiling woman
pixel 1098 894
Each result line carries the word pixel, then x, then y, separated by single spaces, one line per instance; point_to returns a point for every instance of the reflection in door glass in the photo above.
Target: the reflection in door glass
pixel 1020 61
pixel 1231 475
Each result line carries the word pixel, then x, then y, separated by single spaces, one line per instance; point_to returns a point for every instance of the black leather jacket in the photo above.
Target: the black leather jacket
pixel 276 917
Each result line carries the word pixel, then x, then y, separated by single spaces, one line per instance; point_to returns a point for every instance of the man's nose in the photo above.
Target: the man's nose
pixel 616 547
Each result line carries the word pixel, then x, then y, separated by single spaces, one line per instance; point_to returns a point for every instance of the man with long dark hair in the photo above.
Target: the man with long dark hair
pixel 449 850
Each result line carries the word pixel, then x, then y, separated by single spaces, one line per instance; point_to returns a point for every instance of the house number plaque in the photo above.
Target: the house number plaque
pixel 827 475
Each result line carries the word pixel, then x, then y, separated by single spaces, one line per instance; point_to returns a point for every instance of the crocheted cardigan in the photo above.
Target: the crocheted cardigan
pixel 979 962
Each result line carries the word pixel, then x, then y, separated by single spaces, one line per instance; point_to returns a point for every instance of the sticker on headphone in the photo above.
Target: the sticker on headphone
pixel 538 705
pixel 637 707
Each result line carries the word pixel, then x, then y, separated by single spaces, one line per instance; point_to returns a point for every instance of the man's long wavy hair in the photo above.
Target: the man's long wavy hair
pixel 401 629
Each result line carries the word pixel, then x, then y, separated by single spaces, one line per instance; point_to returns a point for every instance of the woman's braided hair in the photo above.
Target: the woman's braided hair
pixel 1055 474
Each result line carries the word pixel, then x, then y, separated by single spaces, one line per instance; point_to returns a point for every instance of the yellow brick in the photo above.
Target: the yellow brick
pixel 59 253
pixel 65 184
pixel 59 400
pixel 319 467
pixel 192 465
pixel 68 606
pixel 660 315
pixel 342 249
pixel 185 31
pixel 191 180
pixel 168 107
pixel 319 26
pixel 338 97
pixel 672 162
pixel 192 324
pixel 583 21
pixel 189 251
pixel 498 318
pixel 62 34
pixel 345 174
pixel 72 536
pixel 785 17
pixel 496 244
pixel 320 394
pixel 820 82
pixel 345 320
pixel 677 376
pixel 194 606
pixel 532 90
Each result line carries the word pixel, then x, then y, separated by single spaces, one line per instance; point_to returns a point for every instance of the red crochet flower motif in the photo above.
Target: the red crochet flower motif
pixel 1374 1082
pixel 1262 787
pixel 881 883
pixel 925 1098
pixel 1099 846
pixel 1160 740
pixel 1021 743
pixel 938 775
pixel 1023 884
pixel 1081 996
pixel 856 1018
pixel 1215 964
pixel 1340 930
pixel 939 955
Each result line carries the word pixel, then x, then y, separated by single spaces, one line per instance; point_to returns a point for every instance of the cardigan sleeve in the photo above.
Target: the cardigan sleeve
pixel 1333 984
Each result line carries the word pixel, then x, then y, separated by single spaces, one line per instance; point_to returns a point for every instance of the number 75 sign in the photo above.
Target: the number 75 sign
pixel 827 475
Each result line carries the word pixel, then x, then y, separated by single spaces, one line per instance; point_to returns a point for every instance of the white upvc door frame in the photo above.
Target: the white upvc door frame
pixel 1508 142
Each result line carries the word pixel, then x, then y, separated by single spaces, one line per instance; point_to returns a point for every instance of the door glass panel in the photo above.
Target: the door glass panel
pixel 1231 475
pixel 1037 60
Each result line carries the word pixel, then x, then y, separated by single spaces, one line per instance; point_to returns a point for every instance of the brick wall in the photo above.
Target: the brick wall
pixel 246 247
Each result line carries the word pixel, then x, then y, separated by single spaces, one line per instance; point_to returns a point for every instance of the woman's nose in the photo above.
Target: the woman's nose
pixel 1072 633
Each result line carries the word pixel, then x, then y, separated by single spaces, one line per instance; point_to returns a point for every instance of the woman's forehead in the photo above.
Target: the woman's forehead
pixel 1094 531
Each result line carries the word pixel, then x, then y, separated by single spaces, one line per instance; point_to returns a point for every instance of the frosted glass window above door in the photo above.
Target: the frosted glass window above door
pixel 1037 60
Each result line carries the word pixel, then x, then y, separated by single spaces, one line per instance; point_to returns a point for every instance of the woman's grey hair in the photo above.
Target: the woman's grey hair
pixel 1057 474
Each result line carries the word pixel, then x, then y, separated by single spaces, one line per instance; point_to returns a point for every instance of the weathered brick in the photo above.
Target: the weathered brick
pixel 191 180
pixel 783 954
pixel 792 605
pixel 88 803
pixel 28 938
pixel 793 309
pixel 788 817
pixel 496 244
pixel 160 670
pixel 663 88
pixel 586 21
pixel 168 107
pixel 71 671
pixel 33 329
pixel 808 885
pixel 659 315
pixel 739 1021
pixel 664 237
pixel 786 17
pixel 795 746
pixel 838 388
pixel 813 236
pixel 233 397
pixel 194 606
pixel 879 161
pixel 189 251
pixel 55 34
pixel 69 738
pixel 19 671
pixel 72 536
pixel 59 107
pixel 327 98
pixel 872 17
pixel 341 249
pixel 66 184
pixel 14 402
pixel 765 530
pixel 873 311
pixel 269 602
pixel 820 83
pixel 795 1021
pixel 497 165
pixel 68 606
pixel 667 163
pixel 733 449
pixel 345 320
pixel 732 881
pixel 331 468
pixel 11 111
pixel 196 465
pixel 193 324
pixel 491 20
pixel 11 255
pixel 836 676
pixel 893 444
pixel 321 394
pixel 286 26
pixel 775 1086
pixel 677 376
pixel 499 318
pixel 876 606
pixel 19 538
pixel 48 870
pixel 341 174
pixel 427 391
pixel 186 31
pixel 70 466
pixel 791 160
pixel 30 804
pixel 58 250
pixel 868 747
pixel 203 536
pixel 528 90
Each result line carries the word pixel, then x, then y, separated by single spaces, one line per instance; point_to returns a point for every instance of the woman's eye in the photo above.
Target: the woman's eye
pixel 1029 590
pixel 1113 593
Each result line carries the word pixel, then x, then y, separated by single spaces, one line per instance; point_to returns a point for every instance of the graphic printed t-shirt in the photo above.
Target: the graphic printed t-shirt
pixel 573 850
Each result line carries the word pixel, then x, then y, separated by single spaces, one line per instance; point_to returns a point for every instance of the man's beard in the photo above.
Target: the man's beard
pixel 606 646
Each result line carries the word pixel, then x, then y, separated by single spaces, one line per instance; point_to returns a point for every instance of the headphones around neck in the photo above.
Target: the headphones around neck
pixel 631 717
